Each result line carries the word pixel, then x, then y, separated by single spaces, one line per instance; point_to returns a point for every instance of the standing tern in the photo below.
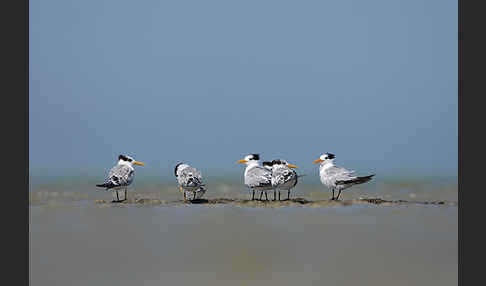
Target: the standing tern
pixel 337 178
pixel 257 178
pixel 120 176
pixel 283 177
pixel 189 180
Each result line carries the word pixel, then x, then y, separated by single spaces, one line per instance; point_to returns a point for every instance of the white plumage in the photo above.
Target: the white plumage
pixel 283 177
pixel 190 180
pixel 257 178
pixel 120 176
pixel 337 178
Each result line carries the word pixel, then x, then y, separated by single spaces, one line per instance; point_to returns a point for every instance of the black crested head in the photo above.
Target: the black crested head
pixel 266 163
pixel 122 157
pixel 175 169
pixel 330 156
pixel 255 156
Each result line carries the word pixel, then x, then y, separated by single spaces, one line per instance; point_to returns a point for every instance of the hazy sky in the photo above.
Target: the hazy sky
pixel 374 82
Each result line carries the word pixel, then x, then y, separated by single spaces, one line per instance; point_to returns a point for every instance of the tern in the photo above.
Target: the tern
pixel 283 177
pixel 121 175
pixel 337 178
pixel 257 178
pixel 190 180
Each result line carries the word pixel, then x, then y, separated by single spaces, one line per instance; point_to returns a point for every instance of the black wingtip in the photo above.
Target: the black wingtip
pixel 358 180
pixel 365 179
pixel 108 185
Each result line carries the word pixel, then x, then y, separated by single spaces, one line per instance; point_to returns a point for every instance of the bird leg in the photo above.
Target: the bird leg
pixel 261 194
pixel 126 194
pixel 194 196
pixel 279 195
pixel 337 198
pixel 288 195
pixel 253 196
pixel 274 195
pixel 266 197
pixel 182 191
pixel 332 195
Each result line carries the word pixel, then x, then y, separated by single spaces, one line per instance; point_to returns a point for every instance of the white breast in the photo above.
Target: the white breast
pixel 326 180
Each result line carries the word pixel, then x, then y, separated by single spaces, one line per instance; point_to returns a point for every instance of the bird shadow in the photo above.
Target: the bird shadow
pixel 198 201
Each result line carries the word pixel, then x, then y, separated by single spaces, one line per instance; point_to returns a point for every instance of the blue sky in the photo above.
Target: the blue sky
pixel 374 82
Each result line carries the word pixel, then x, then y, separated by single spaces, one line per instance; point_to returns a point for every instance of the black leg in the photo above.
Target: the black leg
pixel 338 195
pixel 261 194
pixel 279 195
pixel 274 195
pixel 332 195
pixel 126 194
pixel 253 196
pixel 266 197
pixel 117 199
pixel 288 195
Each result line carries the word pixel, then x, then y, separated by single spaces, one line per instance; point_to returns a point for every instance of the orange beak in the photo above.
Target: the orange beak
pixel 292 166
pixel 138 163
pixel 242 161
pixel 318 161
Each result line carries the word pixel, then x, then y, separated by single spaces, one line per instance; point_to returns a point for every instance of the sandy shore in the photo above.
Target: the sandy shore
pixel 300 202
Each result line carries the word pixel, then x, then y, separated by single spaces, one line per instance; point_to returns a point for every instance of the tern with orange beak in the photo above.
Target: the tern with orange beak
pixel 283 177
pixel 257 178
pixel 120 176
pixel 337 178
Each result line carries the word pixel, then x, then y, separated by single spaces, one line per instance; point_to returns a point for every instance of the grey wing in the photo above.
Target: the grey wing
pixel 190 176
pixel 340 174
pixel 258 177
pixel 282 176
pixel 198 176
pixel 120 175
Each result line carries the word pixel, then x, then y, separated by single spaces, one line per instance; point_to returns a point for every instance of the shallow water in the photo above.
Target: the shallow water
pixel 74 241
